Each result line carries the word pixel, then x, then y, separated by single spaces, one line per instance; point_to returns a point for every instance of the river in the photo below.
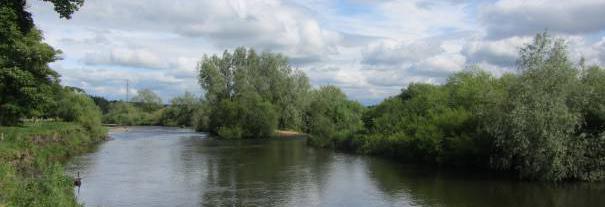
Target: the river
pixel 161 166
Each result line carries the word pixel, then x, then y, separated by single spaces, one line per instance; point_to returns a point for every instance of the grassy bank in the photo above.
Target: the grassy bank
pixel 31 162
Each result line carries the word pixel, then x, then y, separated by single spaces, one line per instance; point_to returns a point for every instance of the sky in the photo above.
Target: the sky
pixel 369 48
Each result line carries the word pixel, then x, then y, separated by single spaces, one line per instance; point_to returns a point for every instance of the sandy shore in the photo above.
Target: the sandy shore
pixel 118 129
pixel 286 133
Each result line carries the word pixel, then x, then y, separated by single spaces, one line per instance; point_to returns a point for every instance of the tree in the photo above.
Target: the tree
pixel 593 79
pixel 243 81
pixel 181 110
pixel 66 8
pixel 26 82
pixel 590 144
pixel 331 117
pixel 536 132
pixel 76 106
pixel 148 100
pixel 123 113
pixel 102 103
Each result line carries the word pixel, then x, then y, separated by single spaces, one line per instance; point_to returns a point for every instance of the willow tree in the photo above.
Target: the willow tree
pixel 536 134
pixel 249 94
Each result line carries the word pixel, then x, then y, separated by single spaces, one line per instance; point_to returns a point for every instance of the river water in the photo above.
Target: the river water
pixel 160 166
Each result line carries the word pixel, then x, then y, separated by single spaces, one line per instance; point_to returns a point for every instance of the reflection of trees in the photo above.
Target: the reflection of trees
pixel 432 187
pixel 256 172
pixel 286 172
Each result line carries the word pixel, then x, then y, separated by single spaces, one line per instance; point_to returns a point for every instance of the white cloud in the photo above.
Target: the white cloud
pixel 592 52
pixel 600 46
pixel 507 18
pixel 125 57
pixel 371 49
pixel 429 57
pixel 498 52
pixel 389 52
pixel 112 83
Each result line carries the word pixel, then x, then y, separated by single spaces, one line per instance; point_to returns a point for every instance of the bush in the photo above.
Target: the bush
pixel 332 118
pixel 248 114
pixel 123 113
pixel 181 111
pixel 259 119
pixel 230 132
pixel 78 107
pixel 201 118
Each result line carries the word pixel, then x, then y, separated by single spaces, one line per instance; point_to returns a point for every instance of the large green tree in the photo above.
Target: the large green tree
pixel 148 100
pixel 535 134
pixel 262 89
pixel 26 81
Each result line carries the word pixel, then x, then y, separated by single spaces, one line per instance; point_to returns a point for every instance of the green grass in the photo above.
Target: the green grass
pixel 31 162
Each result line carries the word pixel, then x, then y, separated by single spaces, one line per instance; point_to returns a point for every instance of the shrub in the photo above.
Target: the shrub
pixel 230 132
pixel 78 107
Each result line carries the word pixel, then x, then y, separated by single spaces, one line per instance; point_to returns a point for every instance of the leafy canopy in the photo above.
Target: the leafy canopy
pixel 27 84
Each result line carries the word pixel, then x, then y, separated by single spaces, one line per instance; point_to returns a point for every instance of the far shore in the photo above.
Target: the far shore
pixel 278 133
pixel 118 128
pixel 288 133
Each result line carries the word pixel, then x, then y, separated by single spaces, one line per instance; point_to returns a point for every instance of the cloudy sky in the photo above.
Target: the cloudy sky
pixel 369 48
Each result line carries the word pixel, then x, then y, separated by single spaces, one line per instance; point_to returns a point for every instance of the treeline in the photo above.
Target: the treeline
pixel 545 122
pixel 147 108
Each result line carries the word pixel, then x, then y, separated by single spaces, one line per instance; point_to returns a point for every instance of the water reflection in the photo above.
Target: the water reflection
pixel 258 172
pixel 433 187
pixel 156 166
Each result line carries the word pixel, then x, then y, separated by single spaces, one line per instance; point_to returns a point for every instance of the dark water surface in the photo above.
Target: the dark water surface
pixel 159 166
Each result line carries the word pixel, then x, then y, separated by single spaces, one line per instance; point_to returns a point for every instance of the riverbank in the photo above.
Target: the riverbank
pixel 114 129
pixel 287 134
pixel 31 162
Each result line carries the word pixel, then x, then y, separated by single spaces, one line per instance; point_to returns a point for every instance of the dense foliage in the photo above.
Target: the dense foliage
pixel 250 95
pixel 180 111
pixel 27 84
pixel 144 109
pixel 147 100
pixel 545 122
pixel 26 81
pixel 76 106
pixel 547 131
pixel 331 116
pixel 435 124
pixel 102 103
